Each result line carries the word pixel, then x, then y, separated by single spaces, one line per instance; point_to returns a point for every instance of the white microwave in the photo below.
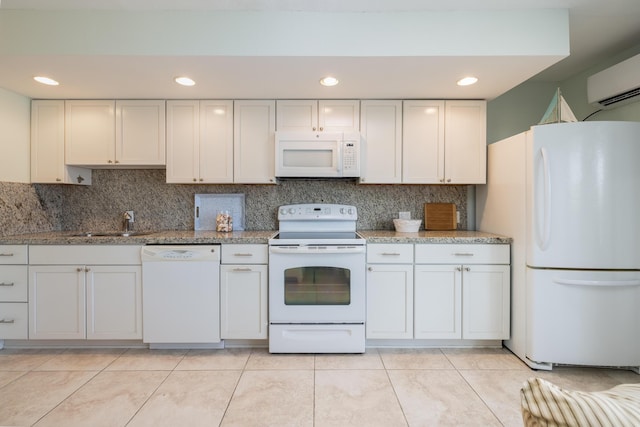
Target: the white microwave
pixel 317 154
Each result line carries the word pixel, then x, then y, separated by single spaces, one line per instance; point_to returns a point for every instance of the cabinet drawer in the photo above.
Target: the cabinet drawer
pixel 462 254
pixel 13 321
pixel 245 254
pixel 390 253
pixel 13 283
pixel 13 254
pixel 85 254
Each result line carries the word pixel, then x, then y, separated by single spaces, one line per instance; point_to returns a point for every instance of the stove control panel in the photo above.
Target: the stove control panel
pixel 323 212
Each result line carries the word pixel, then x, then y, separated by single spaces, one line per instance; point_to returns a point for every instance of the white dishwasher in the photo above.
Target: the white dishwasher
pixel 181 294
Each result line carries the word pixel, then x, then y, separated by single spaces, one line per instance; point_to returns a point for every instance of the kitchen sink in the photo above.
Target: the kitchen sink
pixel 110 234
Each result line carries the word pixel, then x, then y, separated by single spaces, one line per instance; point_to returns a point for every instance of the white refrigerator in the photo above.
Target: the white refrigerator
pixel 569 196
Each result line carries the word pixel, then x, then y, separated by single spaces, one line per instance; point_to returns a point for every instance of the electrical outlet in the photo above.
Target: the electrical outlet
pixel 458 217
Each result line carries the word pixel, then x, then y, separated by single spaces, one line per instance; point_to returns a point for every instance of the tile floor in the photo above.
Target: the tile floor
pixel 250 387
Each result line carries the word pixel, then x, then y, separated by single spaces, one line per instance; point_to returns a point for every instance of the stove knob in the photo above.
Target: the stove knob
pixel 342 211
pixel 350 211
pixel 292 211
pixel 283 211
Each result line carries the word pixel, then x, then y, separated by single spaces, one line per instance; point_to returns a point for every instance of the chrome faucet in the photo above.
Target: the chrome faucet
pixel 128 221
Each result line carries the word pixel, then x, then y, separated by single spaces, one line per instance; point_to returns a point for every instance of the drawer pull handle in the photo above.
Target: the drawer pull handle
pixel 242 254
pixel 390 254
pixel 462 254
pixel 7 321
pixel 6 254
pixel 7 284
pixel 241 269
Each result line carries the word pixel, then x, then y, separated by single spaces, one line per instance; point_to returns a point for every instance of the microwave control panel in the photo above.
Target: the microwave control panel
pixel 350 158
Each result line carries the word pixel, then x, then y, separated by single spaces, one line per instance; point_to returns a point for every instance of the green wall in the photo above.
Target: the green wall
pixel 522 107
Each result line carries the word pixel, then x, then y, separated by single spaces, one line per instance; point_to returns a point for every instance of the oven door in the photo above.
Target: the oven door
pixel 317 284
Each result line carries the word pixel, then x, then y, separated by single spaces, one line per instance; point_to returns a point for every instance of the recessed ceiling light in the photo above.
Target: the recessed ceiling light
pixel 329 81
pixel 466 81
pixel 46 81
pixel 185 81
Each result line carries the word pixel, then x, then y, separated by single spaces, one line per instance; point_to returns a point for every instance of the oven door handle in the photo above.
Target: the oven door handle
pixel 317 249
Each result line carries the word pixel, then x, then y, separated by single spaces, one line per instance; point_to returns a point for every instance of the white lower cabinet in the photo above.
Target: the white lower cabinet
pixel 389 291
pixel 438 291
pixel 244 292
pixel 13 292
pixel 82 300
pixel 438 302
pixel 462 291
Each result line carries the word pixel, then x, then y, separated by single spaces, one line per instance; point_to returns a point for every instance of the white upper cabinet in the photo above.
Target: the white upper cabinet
pixel 444 142
pixel 318 116
pixel 47 146
pixel 90 132
pixel 423 142
pixel 115 133
pixel 253 142
pixel 381 130
pixel 199 142
pixel 466 142
pixel 140 133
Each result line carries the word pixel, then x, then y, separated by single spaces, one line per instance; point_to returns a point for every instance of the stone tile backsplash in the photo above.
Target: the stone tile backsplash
pixel 159 205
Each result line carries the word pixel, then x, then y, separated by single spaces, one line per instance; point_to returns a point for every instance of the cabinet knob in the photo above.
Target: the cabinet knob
pixel 58 179
pixel 201 179
pixel 449 180
pixel 78 269
pixel 370 268
pixel 117 161
pixel 109 161
pixel 321 129
pixel 458 268
pixel 467 269
pixel 313 128
pixel 86 270
pixel 195 180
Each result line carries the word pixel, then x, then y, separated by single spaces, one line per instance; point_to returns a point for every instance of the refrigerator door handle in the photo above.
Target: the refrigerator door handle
pixel 576 282
pixel 543 242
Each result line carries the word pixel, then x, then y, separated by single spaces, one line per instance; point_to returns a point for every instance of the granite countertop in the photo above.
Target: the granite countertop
pixel 169 237
pixel 452 236
pixel 166 237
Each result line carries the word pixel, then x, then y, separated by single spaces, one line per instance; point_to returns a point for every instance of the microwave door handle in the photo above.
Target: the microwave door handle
pixel 339 147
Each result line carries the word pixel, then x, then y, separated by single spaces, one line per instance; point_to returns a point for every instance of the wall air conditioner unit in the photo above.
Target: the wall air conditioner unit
pixel 615 86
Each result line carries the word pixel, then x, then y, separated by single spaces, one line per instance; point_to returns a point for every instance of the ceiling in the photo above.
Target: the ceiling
pixel 597 30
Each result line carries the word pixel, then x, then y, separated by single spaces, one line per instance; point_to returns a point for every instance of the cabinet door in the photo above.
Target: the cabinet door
pixel 438 301
pixel 47 141
pixel 47 146
pixel 114 302
pixel 183 139
pixel 140 133
pixel 381 130
pixel 486 302
pixel 466 142
pixel 90 132
pixel 389 301
pixel 253 142
pixel 243 301
pixel 423 142
pixel 297 115
pixel 339 116
pixel 56 302
pixel 216 142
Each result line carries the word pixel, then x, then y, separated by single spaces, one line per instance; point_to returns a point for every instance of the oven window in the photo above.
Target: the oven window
pixel 317 286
